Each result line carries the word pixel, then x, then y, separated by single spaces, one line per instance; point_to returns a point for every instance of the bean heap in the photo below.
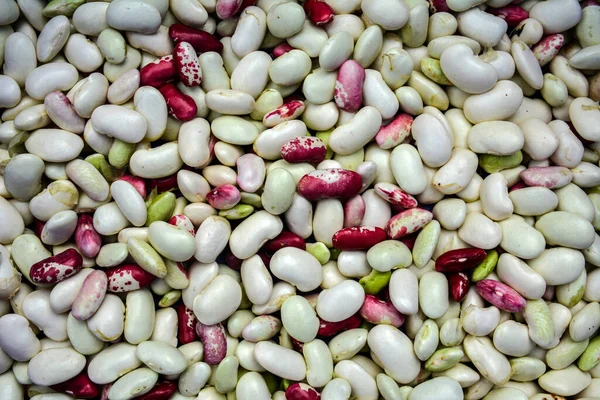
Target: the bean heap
pixel 301 200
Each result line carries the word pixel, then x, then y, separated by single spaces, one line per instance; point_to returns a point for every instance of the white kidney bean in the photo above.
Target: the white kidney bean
pixel 466 71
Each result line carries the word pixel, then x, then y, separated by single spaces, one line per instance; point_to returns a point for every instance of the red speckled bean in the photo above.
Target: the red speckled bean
pixel 354 211
pixel 223 197
pixel 459 286
pixel 301 391
pixel 284 239
pixel 500 295
pixel 183 222
pixel 407 222
pixel 138 183
pixel 214 341
pixel 161 391
pixel 80 386
pixel 548 177
pixel 379 312
pixel 394 195
pixel 158 72
pixel 286 112
pixel 513 14
pixel 328 329
pixel 187 64
pixel 547 48
pixel 327 183
pixel 187 325
pixel 358 237
pixel 304 149
pixel 459 259
pixel 319 12
pixel 180 105
pixel 395 132
pixel 127 277
pixel 56 268
pixel 90 295
pixel 348 93
pixel 87 240
pixel 202 41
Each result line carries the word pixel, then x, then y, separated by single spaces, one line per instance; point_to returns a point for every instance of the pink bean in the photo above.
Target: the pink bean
pixel 56 268
pixel 354 211
pixel 358 237
pixel 281 49
pixel 251 172
pixel 202 41
pixel 183 222
pixel 319 12
pixel 304 149
pixel 547 48
pixel 138 183
pixel 379 312
pixel 348 91
pixel 127 277
pixel 549 177
pixel 62 113
pixel 394 195
pixel 187 325
pixel 395 132
pixel 227 8
pixel 513 14
pixel 301 391
pixel 407 222
pixel 158 72
pixel 90 295
pixel 161 391
pixel 180 105
pixel 214 341
pixel 284 239
pixel 500 295
pixel 87 240
pixel 223 197
pixel 187 64
pixel 327 183
pixel 286 112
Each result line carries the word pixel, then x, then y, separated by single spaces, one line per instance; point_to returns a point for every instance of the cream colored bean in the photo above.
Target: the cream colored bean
pixel 329 306
pixel 353 135
pixel 484 138
pixel 507 96
pixel 433 289
pixel 280 361
pixel 385 340
pixel 219 300
pixel 82 53
pixel 54 366
pixel 139 316
pixel 466 71
pixel 107 323
pixel 268 225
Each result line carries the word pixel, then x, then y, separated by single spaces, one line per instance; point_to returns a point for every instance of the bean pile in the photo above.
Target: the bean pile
pixel 299 199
